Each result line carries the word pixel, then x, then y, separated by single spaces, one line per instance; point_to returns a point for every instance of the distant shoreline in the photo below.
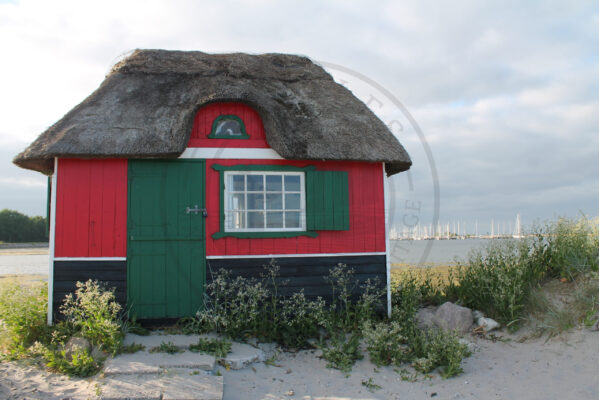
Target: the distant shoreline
pixel 35 245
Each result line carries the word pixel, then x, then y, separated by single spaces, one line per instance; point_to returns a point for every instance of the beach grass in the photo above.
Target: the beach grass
pixel 438 274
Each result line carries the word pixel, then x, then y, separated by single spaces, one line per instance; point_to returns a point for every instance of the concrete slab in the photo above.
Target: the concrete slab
pixel 129 387
pixel 152 363
pixel 243 355
pixel 181 385
pixel 193 387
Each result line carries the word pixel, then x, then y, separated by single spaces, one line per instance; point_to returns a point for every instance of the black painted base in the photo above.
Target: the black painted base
pixel 67 273
pixel 296 273
pixel 307 273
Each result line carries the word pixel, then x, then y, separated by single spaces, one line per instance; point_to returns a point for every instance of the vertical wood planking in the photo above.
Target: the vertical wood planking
pixel 91 208
pixel 366 225
pixel 204 119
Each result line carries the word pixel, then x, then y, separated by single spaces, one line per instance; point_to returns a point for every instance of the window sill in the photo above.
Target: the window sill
pixel 258 235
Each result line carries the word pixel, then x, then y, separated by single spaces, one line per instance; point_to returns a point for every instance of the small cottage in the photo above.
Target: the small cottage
pixel 182 163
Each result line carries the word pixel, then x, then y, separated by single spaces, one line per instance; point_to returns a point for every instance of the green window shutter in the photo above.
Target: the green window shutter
pixel 327 201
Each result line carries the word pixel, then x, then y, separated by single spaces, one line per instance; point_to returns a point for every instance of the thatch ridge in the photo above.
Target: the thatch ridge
pixel 146 106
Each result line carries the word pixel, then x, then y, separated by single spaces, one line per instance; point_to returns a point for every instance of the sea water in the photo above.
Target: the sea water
pixel 440 252
pixel 411 252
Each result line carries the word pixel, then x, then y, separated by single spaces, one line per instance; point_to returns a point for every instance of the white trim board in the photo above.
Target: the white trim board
pixel 386 201
pixel 296 255
pixel 231 153
pixel 52 240
pixel 90 259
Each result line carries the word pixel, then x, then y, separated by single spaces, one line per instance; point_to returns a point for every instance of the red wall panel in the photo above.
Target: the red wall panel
pixel 91 208
pixel 367 215
pixel 202 126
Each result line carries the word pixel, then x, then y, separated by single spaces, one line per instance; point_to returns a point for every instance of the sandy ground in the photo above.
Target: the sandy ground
pixel 561 368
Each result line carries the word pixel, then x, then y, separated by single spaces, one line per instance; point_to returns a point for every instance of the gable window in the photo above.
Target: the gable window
pixel 281 201
pixel 228 127
pixel 258 201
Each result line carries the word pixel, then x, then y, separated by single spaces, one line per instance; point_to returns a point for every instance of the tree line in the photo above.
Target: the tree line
pixel 16 227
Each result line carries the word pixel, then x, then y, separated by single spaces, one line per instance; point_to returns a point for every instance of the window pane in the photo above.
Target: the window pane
pixel 274 201
pixel 228 127
pixel 292 219
pixel 255 183
pixel 274 183
pixel 292 201
pixel 292 183
pixel 255 220
pixel 274 220
pixel 237 201
pixel 237 183
pixel 236 220
pixel 255 201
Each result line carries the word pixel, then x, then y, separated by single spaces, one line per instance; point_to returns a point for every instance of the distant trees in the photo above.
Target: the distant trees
pixel 17 227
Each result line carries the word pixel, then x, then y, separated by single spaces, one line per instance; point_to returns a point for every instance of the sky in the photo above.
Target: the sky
pixel 496 102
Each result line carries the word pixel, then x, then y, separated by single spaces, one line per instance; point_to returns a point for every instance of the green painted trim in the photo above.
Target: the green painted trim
pixel 243 135
pixel 258 235
pixel 263 168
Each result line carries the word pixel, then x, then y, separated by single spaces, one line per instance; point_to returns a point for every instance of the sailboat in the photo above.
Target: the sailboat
pixel 518 233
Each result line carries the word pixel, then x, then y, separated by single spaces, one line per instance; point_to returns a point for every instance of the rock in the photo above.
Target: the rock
pixel 98 354
pixel 472 347
pixel 269 349
pixel 76 344
pixel 477 315
pixel 452 317
pixel 424 318
pixel 488 324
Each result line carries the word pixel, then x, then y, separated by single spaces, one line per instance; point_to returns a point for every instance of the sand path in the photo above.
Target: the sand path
pixel 562 368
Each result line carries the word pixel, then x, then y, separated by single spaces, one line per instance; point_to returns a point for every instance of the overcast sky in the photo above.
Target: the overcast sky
pixel 506 94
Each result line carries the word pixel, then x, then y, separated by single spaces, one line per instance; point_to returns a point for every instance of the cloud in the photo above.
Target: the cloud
pixel 505 92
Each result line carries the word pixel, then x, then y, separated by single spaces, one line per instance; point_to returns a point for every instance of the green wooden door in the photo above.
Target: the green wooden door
pixel 166 243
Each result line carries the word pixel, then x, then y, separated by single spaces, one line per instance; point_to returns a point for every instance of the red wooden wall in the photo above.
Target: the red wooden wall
pixel 91 203
pixel 366 208
pixel 202 126
pixel 91 208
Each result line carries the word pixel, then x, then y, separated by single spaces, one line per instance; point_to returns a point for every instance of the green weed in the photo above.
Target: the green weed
pixel 166 347
pixel 370 384
pixel 216 347
pixel 132 348
pixel 342 351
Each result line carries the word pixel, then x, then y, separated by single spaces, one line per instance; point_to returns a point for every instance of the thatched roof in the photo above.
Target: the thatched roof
pixel 146 106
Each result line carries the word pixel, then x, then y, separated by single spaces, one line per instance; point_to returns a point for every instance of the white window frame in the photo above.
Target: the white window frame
pixel 228 192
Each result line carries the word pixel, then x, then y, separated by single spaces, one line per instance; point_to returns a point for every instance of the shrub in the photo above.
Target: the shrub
pixel 568 247
pixel 22 317
pixel 386 344
pixel 299 319
pixel 81 363
pixel 342 351
pixel 242 307
pixel 439 349
pixel 94 312
pixel 496 279
pixel 234 307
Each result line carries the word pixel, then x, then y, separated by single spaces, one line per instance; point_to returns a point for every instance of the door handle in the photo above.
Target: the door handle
pixel 196 210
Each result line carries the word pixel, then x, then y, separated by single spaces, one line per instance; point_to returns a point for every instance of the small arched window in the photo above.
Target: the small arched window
pixel 228 127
